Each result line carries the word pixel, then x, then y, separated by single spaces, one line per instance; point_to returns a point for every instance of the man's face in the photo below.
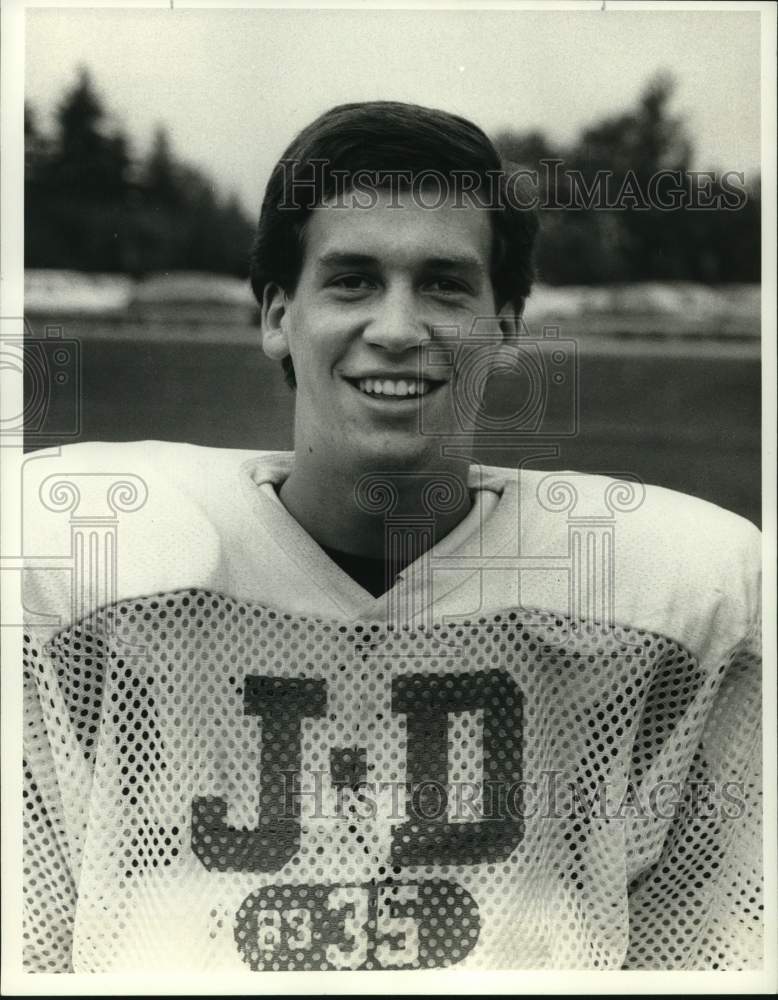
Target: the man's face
pixel 378 285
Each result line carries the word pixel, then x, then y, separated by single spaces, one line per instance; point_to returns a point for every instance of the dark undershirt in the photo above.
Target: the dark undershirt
pixel 377 576
pixel 368 573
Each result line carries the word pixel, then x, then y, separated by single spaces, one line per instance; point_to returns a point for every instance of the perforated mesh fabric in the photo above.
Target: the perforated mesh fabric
pixel 213 785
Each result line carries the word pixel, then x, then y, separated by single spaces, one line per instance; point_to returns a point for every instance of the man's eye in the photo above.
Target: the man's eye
pixel 352 282
pixel 448 286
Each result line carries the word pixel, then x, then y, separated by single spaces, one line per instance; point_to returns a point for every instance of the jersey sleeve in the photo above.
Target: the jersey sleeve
pixel 694 851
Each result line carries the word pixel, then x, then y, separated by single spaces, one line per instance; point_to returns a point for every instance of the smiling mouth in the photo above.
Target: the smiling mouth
pixel 393 389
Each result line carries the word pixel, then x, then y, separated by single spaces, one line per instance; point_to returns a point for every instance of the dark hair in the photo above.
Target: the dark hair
pixel 386 137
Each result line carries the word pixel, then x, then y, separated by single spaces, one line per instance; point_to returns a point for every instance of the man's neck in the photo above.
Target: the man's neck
pixel 348 512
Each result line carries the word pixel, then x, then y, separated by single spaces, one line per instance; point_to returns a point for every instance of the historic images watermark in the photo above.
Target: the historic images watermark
pixel 550 187
pixel 537 375
pixel 553 795
pixel 50 366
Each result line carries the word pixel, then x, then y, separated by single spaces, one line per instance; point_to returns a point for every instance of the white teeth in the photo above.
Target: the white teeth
pixel 391 387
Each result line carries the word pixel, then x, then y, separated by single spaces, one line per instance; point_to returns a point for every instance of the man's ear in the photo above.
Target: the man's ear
pixel 274 321
pixel 510 317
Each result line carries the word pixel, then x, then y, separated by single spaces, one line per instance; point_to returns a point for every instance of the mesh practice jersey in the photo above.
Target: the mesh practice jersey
pixel 540 749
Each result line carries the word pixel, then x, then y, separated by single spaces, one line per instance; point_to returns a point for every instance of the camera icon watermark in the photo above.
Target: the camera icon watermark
pixel 524 387
pixel 50 367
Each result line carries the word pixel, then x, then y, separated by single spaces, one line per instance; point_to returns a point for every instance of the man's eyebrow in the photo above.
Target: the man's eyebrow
pixel 338 259
pixel 460 262
pixel 463 262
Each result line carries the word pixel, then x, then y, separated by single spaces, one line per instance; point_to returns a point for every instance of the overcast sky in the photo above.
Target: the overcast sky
pixel 234 85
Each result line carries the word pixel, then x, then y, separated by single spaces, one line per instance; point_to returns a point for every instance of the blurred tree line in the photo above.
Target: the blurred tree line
pixel 91 205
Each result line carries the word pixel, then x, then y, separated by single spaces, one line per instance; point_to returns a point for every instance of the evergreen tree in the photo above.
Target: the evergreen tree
pixel 161 181
pixel 87 157
pixel 82 196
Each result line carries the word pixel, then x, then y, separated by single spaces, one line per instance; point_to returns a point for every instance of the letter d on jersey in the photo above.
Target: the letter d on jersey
pixel 283 703
pixel 427 700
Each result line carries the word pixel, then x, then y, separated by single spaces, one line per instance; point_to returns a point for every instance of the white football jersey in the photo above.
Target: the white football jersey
pixel 539 749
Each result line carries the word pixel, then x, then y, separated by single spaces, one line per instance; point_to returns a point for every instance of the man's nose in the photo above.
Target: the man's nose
pixel 397 324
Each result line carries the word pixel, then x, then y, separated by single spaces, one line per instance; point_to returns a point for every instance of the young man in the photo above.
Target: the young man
pixel 368 705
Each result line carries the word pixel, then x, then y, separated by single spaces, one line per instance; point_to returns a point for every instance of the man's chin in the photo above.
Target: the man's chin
pixel 393 454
